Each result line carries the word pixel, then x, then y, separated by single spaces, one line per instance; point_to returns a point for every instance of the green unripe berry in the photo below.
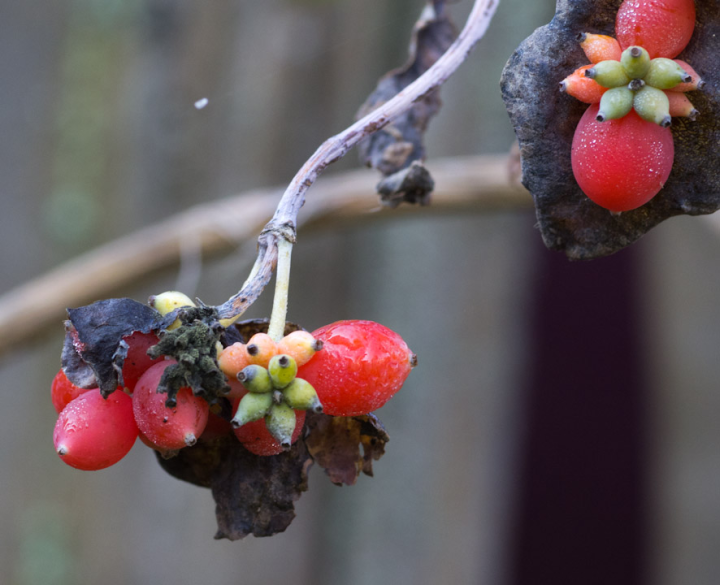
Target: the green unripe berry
pixel 280 422
pixel 666 74
pixel 608 74
pixel 252 407
pixel 301 395
pixel 615 103
pixel 255 378
pixel 282 369
pixel 636 62
pixel 653 105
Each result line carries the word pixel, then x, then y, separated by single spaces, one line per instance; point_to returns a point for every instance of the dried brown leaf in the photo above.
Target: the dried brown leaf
pixel 334 443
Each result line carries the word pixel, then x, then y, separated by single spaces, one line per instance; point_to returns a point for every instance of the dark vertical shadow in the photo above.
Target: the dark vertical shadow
pixel 581 514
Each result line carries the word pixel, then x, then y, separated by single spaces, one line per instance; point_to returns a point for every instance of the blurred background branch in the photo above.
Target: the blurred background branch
pixel 477 184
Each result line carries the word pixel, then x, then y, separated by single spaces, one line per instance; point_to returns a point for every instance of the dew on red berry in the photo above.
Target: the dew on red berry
pixel 620 164
pixel 362 365
pixel 63 391
pixel 94 433
pixel 169 428
pixel 663 27
pixel 256 438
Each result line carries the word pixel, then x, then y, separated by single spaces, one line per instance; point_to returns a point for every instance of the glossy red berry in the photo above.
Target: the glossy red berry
pixel 620 164
pixel 361 366
pixel 94 433
pixel 137 360
pixel 663 27
pixel 63 391
pixel 168 428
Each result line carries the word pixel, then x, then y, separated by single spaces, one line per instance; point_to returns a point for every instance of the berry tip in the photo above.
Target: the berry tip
pixel 190 439
pixel 62 450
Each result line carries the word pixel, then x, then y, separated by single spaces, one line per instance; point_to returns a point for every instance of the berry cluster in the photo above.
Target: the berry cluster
pixel 268 386
pixel 623 151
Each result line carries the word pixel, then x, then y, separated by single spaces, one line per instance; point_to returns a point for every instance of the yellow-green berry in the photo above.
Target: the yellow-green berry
pixel 665 74
pixel 282 369
pixel 255 378
pixel 608 74
pixel 301 395
pixel 636 62
pixel 252 407
pixel 615 103
pixel 167 302
pixel 280 422
pixel 652 105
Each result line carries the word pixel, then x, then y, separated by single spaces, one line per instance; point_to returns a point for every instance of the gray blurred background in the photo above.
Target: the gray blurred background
pixel 100 137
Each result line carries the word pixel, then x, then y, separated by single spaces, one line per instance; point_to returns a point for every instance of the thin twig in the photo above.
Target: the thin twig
pixel 284 222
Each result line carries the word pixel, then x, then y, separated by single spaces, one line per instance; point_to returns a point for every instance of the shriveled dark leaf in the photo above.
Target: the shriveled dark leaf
pixel 76 370
pixel 256 495
pixel 400 144
pixel 545 121
pixel 412 185
pixel 193 346
pixel 100 327
pixel 334 443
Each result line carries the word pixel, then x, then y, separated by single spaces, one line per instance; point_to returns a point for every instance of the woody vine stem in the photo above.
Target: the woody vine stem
pixel 277 238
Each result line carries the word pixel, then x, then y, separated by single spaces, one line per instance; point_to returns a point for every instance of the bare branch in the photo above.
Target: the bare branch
pixel 479 184
pixel 284 222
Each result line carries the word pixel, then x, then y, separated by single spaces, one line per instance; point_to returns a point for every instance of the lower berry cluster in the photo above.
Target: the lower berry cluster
pixel 347 368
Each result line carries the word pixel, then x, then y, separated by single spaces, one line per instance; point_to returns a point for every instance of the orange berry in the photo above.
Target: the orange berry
pixel 261 348
pixel 299 345
pixel 599 47
pixel 680 105
pixel 233 360
pixel 581 87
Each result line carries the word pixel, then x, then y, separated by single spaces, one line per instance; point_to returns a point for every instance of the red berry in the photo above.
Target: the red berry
pixel 168 428
pixel 62 391
pixel 257 439
pixel 361 366
pixel 94 433
pixel 137 360
pixel 619 164
pixel 663 27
